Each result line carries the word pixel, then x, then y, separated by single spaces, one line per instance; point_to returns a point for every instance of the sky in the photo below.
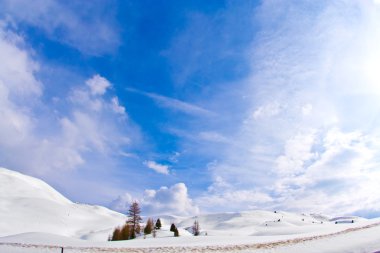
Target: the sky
pixel 195 106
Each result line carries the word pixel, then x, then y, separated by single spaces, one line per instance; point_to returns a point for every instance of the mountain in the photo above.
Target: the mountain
pixel 28 204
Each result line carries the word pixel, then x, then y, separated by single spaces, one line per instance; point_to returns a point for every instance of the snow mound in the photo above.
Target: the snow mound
pixel 30 205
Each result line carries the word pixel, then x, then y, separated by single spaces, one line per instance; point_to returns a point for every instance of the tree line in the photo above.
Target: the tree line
pixel 131 229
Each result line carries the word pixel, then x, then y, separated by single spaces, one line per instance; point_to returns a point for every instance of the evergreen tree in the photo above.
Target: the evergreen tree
pixel 158 224
pixel 148 227
pixel 172 227
pixel 176 233
pixel 134 219
pixel 195 228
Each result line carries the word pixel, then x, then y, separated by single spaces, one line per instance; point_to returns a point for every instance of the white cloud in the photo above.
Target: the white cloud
pixel 175 104
pixel 116 107
pixel 344 175
pixel 307 109
pixel 68 23
pixel 17 69
pixel 42 138
pixel 19 90
pixel 297 151
pixel 267 111
pixel 122 203
pixel 305 62
pixel 82 97
pixel 173 200
pixel 159 168
pixel 98 85
pixel 213 137
pixel 238 200
pixel 339 178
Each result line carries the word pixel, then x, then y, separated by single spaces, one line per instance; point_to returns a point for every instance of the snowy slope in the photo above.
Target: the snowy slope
pixel 36 218
pixel 28 204
pixel 363 239
pixel 264 224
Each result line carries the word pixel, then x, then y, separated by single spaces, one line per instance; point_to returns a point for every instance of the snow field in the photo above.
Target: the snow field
pixel 36 218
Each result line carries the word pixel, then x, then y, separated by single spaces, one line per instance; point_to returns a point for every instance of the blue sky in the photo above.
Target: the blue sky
pixel 195 106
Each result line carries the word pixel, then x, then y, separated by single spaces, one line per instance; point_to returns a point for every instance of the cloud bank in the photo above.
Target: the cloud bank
pixel 309 140
pixel 172 200
pixel 44 135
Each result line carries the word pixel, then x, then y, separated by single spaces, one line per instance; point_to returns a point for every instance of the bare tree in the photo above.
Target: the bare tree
pixel 134 219
pixel 196 228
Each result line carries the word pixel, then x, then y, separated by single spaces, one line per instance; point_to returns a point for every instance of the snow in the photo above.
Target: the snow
pixel 30 205
pixel 36 218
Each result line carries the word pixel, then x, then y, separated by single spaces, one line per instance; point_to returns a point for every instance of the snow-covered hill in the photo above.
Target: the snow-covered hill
pixel 256 223
pixel 28 204
pixel 36 218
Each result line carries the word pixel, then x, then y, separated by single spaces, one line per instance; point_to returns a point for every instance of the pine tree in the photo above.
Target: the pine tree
pixel 195 228
pixel 158 224
pixel 148 227
pixel 134 219
pixel 176 233
pixel 172 227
